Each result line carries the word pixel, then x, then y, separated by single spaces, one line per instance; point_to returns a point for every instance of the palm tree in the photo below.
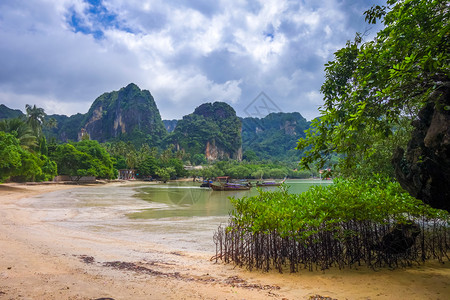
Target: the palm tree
pixel 35 118
pixel 51 123
pixel 180 154
pixel 167 154
pixel 119 149
pixel 21 130
pixel 131 159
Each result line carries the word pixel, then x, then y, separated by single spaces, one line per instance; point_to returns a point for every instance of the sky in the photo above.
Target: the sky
pixel 258 56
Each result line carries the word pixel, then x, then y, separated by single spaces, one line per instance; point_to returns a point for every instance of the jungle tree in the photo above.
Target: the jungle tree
pixel 371 88
pixel 35 118
pixel 85 158
pixel 19 164
pixel 21 130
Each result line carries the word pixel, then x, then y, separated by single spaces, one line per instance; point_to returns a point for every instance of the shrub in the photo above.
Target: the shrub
pixel 343 224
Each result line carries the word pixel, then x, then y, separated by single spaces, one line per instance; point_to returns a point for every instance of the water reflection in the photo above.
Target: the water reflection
pixel 187 199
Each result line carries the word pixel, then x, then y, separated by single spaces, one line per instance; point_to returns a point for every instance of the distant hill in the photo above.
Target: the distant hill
pixel 212 129
pixel 8 113
pixel 68 128
pixel 274 136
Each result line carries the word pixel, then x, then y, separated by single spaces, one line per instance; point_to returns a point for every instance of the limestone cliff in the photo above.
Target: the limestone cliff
pixel 128 114
pixel 212 129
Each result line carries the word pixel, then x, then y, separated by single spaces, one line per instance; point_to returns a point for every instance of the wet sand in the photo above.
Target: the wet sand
pixel 41 260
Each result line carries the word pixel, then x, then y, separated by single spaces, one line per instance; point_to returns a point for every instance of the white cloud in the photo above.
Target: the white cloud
pixel 184 52
pixel 50 104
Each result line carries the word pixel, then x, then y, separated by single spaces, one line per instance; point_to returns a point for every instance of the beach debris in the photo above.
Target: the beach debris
pixel 129 266
pixel 318 297
pixel 236 281
pixel 86 259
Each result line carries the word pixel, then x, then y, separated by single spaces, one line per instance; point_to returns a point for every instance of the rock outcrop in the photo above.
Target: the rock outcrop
pixel 424 168
pixel 212 129
pixel 128 114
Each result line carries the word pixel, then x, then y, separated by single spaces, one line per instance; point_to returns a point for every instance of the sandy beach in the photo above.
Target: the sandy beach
pixel 40 260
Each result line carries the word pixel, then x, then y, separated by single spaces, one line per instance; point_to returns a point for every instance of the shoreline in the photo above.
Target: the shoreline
pixel 39 260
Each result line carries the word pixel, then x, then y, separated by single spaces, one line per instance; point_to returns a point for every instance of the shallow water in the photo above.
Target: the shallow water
pixel 181 216
pixel 186 199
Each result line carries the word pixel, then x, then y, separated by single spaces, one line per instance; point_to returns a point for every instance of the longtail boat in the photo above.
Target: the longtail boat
pixel 206 183
pixel 230 187
pixel 270 183
pixel 227 186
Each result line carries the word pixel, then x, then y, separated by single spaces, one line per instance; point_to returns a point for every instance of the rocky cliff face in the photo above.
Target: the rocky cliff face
pixel 424 168
pixel 212 129
pixel 128 114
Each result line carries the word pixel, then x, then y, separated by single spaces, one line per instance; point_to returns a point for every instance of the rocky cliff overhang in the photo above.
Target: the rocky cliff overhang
pixel 424 168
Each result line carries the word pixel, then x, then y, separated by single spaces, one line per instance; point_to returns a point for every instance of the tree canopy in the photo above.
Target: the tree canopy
pixel 10 155
pixel 85 158
pixel 372 90
pixel 23 165
pixel 21 130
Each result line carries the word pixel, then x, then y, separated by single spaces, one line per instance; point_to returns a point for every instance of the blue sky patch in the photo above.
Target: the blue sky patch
pixel 94 20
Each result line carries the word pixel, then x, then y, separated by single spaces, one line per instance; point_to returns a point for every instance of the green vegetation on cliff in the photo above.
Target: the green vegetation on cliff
pixel 274 136
pixel 170 124
pixel 129 114
pixel 212 129
pixel 8 113
pixel 66 129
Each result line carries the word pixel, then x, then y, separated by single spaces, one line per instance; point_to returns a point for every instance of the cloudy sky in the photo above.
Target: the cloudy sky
pixel 62 54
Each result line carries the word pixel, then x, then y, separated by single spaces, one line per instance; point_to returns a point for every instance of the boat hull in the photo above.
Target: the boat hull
pixel 229 187
pixel 268 184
